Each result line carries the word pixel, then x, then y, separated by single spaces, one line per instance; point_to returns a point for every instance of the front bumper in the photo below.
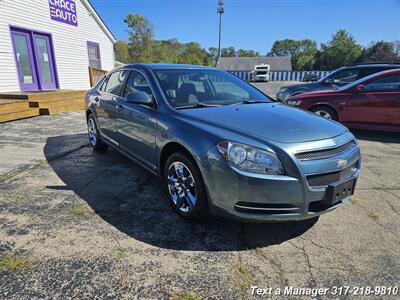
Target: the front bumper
pixel 260 198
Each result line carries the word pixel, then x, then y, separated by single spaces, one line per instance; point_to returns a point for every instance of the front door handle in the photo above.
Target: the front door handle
pixel 119 107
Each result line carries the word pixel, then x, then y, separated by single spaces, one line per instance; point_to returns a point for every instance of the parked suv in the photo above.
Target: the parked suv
pixel 337 78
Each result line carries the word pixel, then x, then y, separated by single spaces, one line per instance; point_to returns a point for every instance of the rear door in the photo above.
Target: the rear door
pixel 107 105
pixel 378 105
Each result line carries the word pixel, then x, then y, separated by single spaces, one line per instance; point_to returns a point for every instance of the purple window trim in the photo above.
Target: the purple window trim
pixel 53 55
pixel 97 45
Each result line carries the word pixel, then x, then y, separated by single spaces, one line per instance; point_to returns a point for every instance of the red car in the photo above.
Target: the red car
pixel 369 103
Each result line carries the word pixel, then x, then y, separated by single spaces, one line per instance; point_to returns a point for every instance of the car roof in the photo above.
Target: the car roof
pixel 160 66
pixel 374 65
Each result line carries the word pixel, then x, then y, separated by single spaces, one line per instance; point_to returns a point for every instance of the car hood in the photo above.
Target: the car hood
pixel 270 122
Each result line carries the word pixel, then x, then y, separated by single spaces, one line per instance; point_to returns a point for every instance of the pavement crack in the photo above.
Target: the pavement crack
pixel 371 215
pixel 275 263
pixel 310 267
pixel 390 204
pixel 318 245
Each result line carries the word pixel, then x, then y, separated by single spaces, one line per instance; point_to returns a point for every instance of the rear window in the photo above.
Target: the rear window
pixel 364 72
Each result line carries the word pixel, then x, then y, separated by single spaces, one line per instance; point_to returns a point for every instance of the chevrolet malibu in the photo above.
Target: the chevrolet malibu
pixel 220 145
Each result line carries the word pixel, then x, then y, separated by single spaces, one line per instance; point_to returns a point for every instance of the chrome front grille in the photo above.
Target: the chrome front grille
pixel 266 208
pixel 332 177
pixel 325 153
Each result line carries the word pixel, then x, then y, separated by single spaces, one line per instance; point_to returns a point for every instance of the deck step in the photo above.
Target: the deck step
pixel 18 114
pixel 57 102
pixel 39 97
pixel 6 106
pixel 43 95
pixel 53 110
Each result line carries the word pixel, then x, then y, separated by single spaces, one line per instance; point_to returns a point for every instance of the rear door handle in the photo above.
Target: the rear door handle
pixel 96 99
pixel 119 107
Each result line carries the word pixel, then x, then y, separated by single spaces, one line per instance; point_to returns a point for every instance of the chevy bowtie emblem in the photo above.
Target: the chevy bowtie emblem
pixel 342 163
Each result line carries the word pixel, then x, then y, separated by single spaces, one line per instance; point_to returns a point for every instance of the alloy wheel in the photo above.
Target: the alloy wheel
pixel 92 132
pixel 182 187
pixel 324 114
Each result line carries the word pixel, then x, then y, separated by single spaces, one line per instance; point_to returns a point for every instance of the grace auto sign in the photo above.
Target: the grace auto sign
pixel 63 11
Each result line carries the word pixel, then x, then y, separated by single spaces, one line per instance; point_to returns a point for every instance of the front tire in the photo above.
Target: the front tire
pixel 94 136
pixel 325 112
pixel 185 187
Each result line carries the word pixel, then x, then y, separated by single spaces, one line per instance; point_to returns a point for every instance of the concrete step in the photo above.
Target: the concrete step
pixel 7 105
pixel 53 110
pixel 19 114
pixel 57 102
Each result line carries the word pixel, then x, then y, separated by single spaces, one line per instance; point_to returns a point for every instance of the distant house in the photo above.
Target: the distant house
pixel 246 64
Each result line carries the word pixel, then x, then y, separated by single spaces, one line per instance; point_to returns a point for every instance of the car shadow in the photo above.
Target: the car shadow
pixel 132 200
pixel 377 136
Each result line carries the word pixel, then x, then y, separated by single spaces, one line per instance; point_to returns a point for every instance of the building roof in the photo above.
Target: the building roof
pixel 99 20
pixel 277 63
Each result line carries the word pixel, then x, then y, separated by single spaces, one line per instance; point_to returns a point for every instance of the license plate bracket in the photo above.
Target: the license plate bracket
pixel 338 191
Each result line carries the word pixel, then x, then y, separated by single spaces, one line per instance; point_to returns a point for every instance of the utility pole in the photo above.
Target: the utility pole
pixel 220 11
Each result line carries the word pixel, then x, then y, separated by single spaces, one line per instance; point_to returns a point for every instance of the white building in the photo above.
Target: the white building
pixel 49 44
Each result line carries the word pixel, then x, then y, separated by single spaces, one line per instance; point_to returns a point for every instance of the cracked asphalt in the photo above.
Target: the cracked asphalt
pixel 97 226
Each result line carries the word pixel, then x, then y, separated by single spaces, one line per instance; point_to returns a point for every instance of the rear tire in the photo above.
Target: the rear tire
pixel 185 187
pixel 325 112
pixel 94 135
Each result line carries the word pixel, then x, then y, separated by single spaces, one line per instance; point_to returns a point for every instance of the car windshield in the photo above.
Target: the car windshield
pixel 203 88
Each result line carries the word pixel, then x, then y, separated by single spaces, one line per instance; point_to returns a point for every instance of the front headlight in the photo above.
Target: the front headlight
pixel 250 159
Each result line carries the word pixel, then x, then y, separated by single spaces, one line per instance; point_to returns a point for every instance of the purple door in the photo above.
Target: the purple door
pixel 24 58
pixel 44 61
pixel 35 60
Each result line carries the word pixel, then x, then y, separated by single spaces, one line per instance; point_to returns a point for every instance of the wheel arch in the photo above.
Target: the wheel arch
pixel 170 148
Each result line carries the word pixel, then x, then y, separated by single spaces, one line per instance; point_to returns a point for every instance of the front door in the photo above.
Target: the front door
pixel 136 125
pixel 44 59
pixel 35 60
pixel 24 58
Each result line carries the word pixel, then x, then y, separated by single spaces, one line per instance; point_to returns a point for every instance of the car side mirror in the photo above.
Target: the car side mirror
pixel 139 98
pixel 360 88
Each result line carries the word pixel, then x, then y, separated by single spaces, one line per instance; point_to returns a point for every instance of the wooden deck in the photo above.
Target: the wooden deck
pixel 20 105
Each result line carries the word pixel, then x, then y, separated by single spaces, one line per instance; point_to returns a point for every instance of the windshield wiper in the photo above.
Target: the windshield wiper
pixel 251 102
pixel 197 105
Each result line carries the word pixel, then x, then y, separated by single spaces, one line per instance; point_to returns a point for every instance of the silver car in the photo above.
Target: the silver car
pixel 220 145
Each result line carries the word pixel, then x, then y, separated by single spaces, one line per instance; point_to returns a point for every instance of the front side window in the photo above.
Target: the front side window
pixel 137 82
pixel 185 87
pixel 345 77
pixel 385 84
pixel 115 81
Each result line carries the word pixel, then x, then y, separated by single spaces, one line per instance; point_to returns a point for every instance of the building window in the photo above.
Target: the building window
pixel 94 55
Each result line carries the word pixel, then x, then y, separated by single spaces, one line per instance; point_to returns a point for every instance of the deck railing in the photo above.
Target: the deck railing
pixel 95 75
